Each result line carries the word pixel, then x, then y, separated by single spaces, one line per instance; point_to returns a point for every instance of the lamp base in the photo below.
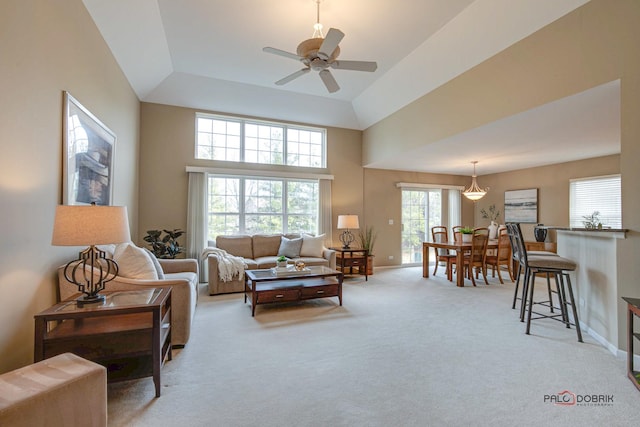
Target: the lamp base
pixel 90 299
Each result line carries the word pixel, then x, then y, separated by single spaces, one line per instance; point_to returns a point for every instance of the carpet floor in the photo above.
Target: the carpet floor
pixel 401 351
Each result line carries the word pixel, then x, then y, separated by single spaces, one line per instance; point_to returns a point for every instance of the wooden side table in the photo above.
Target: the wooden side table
pixel 346 259
pixel 129 333
pixel 633 307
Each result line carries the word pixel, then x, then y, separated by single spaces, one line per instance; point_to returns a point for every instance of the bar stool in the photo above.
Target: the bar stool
pixel 516 240
pixel 557 266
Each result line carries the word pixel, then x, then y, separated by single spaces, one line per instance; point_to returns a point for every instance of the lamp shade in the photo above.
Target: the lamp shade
pixel 90 225
pixel 348 222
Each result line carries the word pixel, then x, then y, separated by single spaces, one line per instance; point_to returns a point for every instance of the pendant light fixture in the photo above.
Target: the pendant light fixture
pixel 474 192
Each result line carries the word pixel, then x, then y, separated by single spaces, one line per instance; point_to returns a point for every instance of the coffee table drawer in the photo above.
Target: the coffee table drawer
pixel 320 291
pixel 278 295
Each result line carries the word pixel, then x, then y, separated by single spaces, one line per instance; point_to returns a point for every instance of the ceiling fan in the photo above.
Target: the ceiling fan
pixel 319 53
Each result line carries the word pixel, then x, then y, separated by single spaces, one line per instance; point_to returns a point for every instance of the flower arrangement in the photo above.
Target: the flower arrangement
pixel 492 214
pixel 466 230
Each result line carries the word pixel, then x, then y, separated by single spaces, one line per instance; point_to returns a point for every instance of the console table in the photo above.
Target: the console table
pixel 633 309
pixel 129 333
pixel 346 259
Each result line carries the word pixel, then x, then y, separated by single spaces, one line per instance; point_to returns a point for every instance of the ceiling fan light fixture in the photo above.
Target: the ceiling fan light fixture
pixel 474 192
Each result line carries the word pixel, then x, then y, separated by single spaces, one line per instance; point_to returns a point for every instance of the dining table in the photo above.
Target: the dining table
pixel 460 249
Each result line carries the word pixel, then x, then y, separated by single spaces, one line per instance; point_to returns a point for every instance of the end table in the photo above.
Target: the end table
pixel 347 258
pixel 129 333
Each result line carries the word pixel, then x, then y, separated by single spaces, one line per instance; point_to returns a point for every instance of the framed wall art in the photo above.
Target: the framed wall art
pixel 89 152
pixel 521 206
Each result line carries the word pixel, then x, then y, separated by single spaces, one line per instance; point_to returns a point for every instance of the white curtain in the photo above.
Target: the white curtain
pixel 197 219
pixel 455 207
pixel 324 218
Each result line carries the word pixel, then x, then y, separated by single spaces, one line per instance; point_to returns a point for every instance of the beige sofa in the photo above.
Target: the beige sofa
pixel 259 251
pixel 180 274
pixel 64 390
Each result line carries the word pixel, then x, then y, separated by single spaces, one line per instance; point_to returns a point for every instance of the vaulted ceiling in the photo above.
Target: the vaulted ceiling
pixel 207 54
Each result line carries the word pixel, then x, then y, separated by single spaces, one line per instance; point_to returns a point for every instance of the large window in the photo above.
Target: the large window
pixel 596 194
pixel 262 205
pixel 252 141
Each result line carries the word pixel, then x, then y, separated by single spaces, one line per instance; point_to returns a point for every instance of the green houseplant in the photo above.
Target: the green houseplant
pixel 281 261
pixel 467 233
pixel 167 246
pixel 367 239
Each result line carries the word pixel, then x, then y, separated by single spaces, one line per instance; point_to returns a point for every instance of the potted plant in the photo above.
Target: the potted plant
pixel 166 247
pixel 281 261
pixel 367 239
pixel 467 234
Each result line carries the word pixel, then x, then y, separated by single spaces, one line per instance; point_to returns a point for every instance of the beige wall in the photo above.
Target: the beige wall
pixel 595 44
pixel 47 47
pixel 552 183
pixel 167 141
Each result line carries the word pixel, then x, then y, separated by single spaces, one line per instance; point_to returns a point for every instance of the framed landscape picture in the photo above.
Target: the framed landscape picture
pixel 521 206
pixel 89 151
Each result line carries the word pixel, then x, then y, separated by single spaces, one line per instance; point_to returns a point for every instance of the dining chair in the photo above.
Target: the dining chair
pixel 478 254
pixel 439 234
pixel 500 256
pixel 457 235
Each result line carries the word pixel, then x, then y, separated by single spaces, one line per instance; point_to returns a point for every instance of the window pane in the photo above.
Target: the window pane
pixel 239 140
pixel 601 195
pixel 257 205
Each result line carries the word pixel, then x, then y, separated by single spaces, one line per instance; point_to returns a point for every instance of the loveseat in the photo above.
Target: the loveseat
pixel 137 267
pixel 261 251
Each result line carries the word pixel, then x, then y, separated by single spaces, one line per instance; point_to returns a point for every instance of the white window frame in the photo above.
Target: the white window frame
pixel 597 193
pixel 285 133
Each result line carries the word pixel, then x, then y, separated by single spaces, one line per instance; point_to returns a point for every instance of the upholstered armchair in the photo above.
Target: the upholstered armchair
pixel 180 274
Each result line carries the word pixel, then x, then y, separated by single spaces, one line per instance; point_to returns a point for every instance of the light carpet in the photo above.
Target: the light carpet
pixel 401 351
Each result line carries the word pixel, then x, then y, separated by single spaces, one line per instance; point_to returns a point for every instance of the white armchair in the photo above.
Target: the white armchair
pixel 180 274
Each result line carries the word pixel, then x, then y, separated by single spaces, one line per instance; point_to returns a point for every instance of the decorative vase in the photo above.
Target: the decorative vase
pixel 467 238
pixel 540 233
pixel 493 230
pixel 282 264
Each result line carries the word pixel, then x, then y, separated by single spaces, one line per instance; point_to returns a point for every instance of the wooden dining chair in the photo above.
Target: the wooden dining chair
pixel 439 234
pixel 500 256
pixel 457 236
pixel 477 258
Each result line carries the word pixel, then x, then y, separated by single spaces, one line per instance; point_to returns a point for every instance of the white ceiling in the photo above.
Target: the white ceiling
pixel 207 54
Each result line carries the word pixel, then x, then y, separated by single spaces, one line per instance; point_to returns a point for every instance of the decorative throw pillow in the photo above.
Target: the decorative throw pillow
pixel 156 264
pixel 134 263
pixel 290 247
pixel 312 246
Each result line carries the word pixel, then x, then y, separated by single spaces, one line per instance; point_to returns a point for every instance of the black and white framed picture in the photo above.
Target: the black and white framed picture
pixel 89 151
pixel 521 206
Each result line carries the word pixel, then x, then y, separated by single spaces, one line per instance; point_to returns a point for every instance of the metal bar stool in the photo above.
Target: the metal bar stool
pixel 518 250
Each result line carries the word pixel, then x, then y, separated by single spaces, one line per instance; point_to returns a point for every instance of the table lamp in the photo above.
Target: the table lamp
pixel 90 225
pixel 346 222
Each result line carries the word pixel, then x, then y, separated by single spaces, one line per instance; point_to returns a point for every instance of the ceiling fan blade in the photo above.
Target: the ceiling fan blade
pixel 329 81
pixel 355 65
pixel 282 53
pixel 292 76
pixel 330 43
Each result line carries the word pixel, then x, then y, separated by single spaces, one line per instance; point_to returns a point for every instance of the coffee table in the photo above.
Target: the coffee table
pixel 268 286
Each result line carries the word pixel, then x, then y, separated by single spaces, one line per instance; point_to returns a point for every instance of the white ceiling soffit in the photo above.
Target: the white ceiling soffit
pixel 580 126
pixel 208 53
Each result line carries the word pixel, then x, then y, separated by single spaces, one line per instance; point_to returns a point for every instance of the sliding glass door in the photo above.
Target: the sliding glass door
pixel 423 208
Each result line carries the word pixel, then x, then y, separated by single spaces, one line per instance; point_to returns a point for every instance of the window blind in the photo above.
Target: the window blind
pixel 601 194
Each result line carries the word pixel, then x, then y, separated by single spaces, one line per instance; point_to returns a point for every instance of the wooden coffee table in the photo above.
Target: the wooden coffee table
pixel 267 287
